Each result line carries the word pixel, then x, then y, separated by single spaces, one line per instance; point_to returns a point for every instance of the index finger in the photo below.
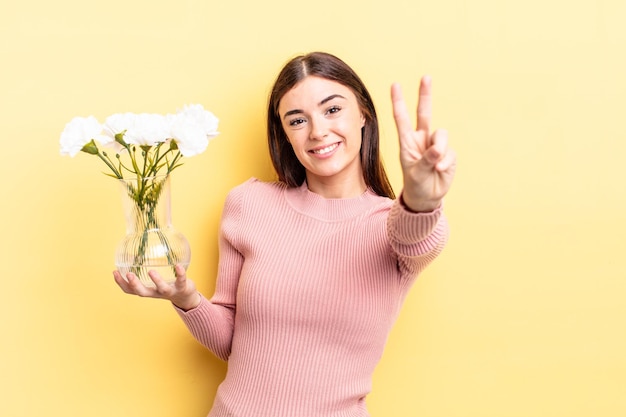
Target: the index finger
pixel 424 105
pixel 400 113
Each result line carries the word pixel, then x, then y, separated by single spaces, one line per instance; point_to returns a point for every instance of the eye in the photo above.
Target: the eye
pixel 296 122
pixel 333 110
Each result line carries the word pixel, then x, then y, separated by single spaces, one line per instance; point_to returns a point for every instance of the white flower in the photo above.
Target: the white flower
pixel 204 118
pixel 145 129
pixel 79 132
pixel 190 136
pixel 192 128
pixel 118 123
pixel 149 130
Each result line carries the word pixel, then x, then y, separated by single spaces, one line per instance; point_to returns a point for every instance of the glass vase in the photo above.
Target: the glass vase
pixel 151 241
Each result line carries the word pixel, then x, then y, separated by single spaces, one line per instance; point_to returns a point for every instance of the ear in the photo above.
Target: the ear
pixel 362 120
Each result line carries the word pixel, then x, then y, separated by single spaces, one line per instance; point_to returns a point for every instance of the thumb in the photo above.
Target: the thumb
pixel 181 277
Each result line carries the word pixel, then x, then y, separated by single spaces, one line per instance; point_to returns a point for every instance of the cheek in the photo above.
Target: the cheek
pixel 352 128
pixel 296 141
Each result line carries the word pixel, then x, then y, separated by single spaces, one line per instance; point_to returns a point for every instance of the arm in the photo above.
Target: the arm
pixel 211 322
pixel 416 226
pixel 416 238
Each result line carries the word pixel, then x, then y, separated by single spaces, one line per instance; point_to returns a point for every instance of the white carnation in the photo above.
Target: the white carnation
pixel 148 130
pixel 190 136
pixel 80 131
pixel 204 118
pixel 192 128
pixel 118 123
pixel 140 129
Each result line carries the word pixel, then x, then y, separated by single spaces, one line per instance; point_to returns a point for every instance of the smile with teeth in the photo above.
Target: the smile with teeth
pixel 325 150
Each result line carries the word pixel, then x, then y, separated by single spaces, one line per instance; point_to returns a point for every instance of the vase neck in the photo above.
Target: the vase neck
pixel 146 203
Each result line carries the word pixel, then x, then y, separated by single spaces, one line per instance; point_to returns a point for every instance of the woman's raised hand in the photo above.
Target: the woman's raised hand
pixel 182 293
pixel 428 165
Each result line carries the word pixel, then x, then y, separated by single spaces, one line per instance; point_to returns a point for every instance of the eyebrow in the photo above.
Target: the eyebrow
pixel 321 103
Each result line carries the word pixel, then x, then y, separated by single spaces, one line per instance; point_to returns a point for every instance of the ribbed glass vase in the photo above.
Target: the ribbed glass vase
pixel 151 241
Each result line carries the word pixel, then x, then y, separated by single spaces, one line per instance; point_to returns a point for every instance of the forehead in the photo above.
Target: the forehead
pixel 311 90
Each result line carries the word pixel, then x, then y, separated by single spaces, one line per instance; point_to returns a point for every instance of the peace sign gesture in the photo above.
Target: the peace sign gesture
pixel 428 165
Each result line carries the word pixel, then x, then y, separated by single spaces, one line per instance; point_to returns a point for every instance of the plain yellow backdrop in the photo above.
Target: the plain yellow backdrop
pixel 523 315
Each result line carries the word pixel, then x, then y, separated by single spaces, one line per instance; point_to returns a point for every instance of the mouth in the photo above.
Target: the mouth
pixel 324 150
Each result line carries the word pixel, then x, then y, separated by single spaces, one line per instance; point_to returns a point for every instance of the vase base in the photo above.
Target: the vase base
pixel 166 272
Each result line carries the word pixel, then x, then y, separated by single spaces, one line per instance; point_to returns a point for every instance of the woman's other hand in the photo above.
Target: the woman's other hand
pixel 182 292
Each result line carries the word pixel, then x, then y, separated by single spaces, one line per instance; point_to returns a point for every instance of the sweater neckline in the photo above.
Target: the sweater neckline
pixel 314 205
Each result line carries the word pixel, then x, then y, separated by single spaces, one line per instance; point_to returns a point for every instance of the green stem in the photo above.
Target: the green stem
pixel 157 160
pixel 150 223
pixel 171 166
pixel 110 165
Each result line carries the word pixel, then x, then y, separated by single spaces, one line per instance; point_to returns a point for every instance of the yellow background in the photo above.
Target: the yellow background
pixel 524 314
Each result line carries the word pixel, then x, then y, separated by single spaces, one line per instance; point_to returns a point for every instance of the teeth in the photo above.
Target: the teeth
pixel 325 150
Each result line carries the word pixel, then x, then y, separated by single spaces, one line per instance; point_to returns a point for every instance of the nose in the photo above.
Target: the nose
pixel 319 128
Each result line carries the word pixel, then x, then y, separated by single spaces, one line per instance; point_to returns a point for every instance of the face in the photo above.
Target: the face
pixel 323 121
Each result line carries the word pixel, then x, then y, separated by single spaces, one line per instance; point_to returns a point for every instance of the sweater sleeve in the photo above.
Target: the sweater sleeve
pixel 416 238
pixel 212 321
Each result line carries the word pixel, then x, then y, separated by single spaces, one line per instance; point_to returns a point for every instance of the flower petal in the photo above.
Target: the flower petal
pixel 118 123
pixel 148 130
pixel 204 118
pixel 190 136
pixel 77 133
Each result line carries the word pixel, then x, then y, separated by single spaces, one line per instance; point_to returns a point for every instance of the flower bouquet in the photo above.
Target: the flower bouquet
pixel 141 150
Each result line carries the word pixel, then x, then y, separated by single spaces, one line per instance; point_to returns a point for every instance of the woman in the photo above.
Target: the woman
pixel 314 267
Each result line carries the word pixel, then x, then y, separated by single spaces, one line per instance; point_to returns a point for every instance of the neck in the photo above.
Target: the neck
pixel 348 188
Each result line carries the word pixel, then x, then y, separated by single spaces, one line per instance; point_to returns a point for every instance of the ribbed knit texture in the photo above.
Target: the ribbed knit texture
pixel 308 289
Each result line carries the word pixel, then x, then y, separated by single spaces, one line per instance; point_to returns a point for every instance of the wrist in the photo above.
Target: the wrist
pixel 419 206
pixel 189 303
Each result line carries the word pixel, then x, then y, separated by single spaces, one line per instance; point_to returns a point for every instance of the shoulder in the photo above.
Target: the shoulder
pixel 249 202
pixel 256 186
pixel 254 190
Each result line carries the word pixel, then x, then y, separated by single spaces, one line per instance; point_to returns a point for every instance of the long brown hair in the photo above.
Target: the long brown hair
pixel 324 65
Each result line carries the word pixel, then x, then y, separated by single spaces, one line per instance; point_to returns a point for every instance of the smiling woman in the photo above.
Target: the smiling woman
pixel 325 68
pixel 323 122
pixel 315 267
